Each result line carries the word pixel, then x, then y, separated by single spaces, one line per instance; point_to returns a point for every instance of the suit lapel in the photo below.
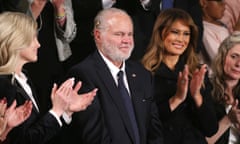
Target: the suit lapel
pixel 137 95
pixel 111 88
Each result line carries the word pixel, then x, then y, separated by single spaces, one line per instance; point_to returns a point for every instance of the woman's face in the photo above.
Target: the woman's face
pixel 177 39
pixel 232 63
pixel 29 54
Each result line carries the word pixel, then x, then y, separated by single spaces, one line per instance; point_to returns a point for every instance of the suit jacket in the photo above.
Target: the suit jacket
pixel 106 120
pixel 36 129
pixel 187 124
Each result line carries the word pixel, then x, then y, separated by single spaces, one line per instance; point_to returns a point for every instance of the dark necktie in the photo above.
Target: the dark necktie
pixel 128 104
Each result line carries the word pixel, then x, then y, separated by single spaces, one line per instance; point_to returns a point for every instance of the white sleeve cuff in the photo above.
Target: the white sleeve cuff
pixel 67 118
pixel 56 116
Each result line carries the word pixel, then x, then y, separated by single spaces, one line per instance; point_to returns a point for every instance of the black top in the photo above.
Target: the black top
pixel 36 129
pixel 187 124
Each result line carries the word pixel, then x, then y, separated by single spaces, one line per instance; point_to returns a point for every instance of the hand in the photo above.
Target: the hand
pixel 15 116
pixel 182 84
pixel 196 84
pixel 60 96
pixel 197 80
pixel 234 113
pixel 58 4
pixel 82 101
pixel 3 122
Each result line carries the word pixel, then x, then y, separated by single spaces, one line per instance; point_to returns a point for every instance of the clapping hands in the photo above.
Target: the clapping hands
pixel 234 115
pixel 194 84
pixel 82 101
pixel 66 98
pixel 12 116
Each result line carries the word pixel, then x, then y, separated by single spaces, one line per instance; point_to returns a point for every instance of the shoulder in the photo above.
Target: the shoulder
pixel 85 65
pixel 7 87
pixel 6 81
pixel 136 65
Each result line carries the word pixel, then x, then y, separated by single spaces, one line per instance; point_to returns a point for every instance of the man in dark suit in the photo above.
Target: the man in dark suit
pixel 113 118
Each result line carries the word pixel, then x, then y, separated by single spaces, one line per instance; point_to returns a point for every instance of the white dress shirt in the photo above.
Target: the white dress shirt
pixel 114 71
pixel 22 79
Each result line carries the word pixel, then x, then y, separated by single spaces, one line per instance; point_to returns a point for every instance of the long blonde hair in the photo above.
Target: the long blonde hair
pixel 17 31
pixel 155 51
pixel 218 79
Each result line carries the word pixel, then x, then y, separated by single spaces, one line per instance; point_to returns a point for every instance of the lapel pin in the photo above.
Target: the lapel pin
pixel 134 75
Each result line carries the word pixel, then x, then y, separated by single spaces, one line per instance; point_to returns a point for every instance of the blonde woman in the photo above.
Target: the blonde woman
pixel 18 46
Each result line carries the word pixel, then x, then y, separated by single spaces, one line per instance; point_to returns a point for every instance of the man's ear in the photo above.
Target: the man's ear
pixel 97 35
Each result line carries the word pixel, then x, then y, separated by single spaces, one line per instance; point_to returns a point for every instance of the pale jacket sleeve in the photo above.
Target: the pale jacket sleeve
pixel 231 14
pixel 65 36
pixel 213 39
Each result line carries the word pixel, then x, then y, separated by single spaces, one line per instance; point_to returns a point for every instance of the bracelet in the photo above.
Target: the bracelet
pixel 60 17
pixel 61 20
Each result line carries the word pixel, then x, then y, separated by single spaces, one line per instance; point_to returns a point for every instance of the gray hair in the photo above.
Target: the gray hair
pixel 218 78
pixel 100 21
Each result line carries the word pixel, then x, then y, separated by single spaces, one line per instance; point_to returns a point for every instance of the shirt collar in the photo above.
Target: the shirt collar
pixel 113 69
pixel 21 78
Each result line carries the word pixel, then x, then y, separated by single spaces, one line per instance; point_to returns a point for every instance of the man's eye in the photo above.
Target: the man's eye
pixel 117 34
pixel 233 56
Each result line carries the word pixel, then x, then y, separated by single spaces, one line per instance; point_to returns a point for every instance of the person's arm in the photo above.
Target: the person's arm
pixel 204 114
pixel 78 102
pixel 65 24
pixel 87 126
pixel 3 122
pixel 212 41
pixel 226 122
pixel 65 27
pixel 155 133
pixel 36 7
pixel 14 116
pixel 196 83
pixel 60 12
pixel 182 88
pixel 223 125
pixel 231 15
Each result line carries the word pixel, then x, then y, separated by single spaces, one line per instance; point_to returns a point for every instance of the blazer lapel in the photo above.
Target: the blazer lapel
pixel 111 88
pixel 25 95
